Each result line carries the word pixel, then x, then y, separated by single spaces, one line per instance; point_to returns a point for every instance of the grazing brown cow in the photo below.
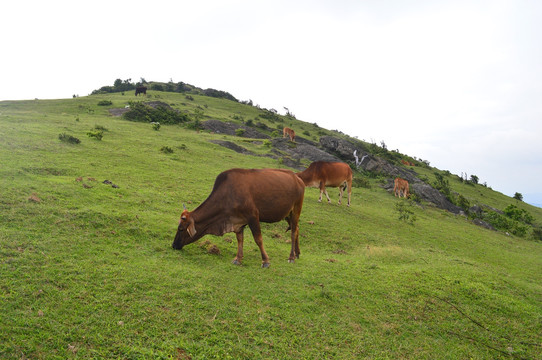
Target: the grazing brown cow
pixel 401 186
pixel 141 90
pixel 288 132
pixel 335 174
pixel 243 197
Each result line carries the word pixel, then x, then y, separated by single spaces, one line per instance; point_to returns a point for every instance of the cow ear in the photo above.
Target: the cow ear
pixel 191 228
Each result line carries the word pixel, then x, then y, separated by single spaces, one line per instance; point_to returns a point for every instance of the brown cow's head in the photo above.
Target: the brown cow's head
pixel 186 232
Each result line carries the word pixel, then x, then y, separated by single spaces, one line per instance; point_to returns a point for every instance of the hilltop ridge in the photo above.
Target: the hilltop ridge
pixel 315 143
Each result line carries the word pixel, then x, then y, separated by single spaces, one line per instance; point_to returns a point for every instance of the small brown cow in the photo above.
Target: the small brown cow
pixel 288 132
pixel 401 186
pixel 242 197
pixel 335 174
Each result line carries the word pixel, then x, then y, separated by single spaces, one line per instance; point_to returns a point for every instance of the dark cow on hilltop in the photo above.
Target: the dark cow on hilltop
pixel 141 90
pixel 335 174
pixel 242 197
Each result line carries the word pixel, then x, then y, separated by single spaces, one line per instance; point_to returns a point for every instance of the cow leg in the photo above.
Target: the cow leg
pixel 240 238
pixel 349 184
pixel 327 195
pixel 323 190
pixel 257 234
pixel 294 253
pixel 341 190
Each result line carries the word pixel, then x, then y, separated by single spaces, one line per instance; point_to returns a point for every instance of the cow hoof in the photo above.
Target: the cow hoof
pixel 291 261
pixel 236 262
pixel 265 265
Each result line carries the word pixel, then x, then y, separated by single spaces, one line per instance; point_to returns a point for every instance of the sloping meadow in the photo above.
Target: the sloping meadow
pixel 87 269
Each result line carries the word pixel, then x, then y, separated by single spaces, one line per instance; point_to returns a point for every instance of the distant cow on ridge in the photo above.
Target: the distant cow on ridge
pixel 141 90
pixel 335 174
pixel 242 197
pixel 288 132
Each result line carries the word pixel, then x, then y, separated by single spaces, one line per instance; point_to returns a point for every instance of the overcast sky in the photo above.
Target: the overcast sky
pixel 456 83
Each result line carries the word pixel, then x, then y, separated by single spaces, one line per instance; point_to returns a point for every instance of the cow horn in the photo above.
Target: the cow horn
pixel 184 206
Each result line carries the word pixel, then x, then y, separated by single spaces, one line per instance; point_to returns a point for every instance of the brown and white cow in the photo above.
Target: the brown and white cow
pixel 288 132
pixel 401 186
pixel 335 174
pixel 242 197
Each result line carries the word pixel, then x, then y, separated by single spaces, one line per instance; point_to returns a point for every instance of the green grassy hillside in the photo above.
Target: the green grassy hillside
pixel 87 269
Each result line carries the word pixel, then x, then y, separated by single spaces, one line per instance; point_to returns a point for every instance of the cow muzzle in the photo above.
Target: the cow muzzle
pixel 177 243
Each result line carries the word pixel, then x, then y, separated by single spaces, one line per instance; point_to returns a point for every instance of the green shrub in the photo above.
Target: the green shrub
pixel 239 132
pixel 505 223
pixel 162 114
pixel 98 135
pixel 442 185
pixel 155 125
pixel 166 150
pixel 100 128
pixel 105 103
pixel 521 215
pixel 537 233
pixel 68 139
pixel 404 209
pixel 194 125
pixel 267 143
pixel 361 181
pixel 462 202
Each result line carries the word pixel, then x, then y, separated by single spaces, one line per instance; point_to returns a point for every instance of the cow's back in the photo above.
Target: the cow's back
pixel 273 192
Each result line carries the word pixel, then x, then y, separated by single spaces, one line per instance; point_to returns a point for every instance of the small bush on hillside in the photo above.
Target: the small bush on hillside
pixel 105 103
pixel 537 233
pixel 98 135
pixel 68 139
pixel 166 150
pixel 505 223
pixel 162 114
pixel 404 209
pixel 157 87
pixel 194 125
pixel 155 126
pixel 442 185
pixel 360 181
pixel 521 215
pixel 270 115
pixel 240 132
pixel 100 128
pixel 267 143
pixel 275 134
pixel 462 202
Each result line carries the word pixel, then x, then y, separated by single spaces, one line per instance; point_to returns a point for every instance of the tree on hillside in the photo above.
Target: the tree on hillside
pixel 518 196
pixel 474 179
